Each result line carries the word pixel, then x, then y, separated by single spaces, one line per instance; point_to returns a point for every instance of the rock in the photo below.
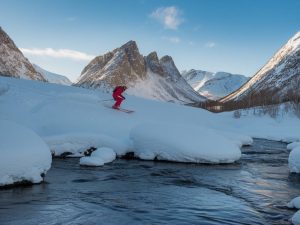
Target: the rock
pixel 12 61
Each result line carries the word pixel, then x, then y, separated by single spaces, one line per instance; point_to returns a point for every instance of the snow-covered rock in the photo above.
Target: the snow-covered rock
pixel 52 77
pixel 296 218
pixel 12 61
pixel 99 157
pixel 77 143
pixel 214 85
pixel 147 77
pixel 279 76
pixel 24 155
pixel 294 158
pixel 295 203
pixel 183 143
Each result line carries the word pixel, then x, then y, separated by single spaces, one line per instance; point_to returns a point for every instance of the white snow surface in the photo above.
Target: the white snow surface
pixel 295 203
pixel 184 143
pixel 99 157
pixel 72 119
pixel 214 85
pixel 24 155
pixel 294 157
pixel 296 218
pixel 52 77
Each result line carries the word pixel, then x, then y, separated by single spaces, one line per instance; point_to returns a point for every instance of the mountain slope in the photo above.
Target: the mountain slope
pixel 52 77
pixel 12 61
pixel 147 77
pixel 214 85
pixel 279 77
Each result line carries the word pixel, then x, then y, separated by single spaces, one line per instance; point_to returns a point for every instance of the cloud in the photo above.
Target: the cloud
pixel 170 17
pixel 58 53
pixel 210 44
pixel 174 40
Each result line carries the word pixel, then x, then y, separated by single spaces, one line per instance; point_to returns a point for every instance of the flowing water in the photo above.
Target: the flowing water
pixel 253 191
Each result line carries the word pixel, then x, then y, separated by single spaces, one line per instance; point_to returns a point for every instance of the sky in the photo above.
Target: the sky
pixel 236 36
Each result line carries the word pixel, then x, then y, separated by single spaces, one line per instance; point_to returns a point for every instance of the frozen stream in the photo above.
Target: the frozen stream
pixel 253 191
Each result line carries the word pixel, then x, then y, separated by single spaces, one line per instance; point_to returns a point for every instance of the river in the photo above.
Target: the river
pixel 253 191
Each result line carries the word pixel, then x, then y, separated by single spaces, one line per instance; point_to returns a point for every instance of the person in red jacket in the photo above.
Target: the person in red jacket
pixel 118 97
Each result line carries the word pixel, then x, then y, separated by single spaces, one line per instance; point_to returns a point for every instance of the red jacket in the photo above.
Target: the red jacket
pixel 117 93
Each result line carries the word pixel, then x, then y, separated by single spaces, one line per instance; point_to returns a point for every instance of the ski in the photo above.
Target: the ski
pixel 119 109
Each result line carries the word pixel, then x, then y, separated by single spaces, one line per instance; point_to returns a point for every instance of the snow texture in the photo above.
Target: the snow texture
pixel 24 155
pixel 99 157
pixel 294 157
pixel 182 143
pixel 295 203
pixel 52 77
pixel 296 218
pixel 214 85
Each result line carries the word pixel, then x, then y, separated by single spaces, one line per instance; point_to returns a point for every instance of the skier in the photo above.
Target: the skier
pixel 118 97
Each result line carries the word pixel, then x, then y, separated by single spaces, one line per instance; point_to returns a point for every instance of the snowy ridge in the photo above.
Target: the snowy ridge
pixel 12 61
pixel 52 77
pixel 282 71
pixel 214 85
pixel 148 77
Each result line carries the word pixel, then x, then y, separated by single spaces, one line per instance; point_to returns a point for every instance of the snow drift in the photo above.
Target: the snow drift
pixel 24 155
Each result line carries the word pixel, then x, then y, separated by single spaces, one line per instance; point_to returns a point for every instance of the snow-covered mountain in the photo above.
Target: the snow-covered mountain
pixel 52 77
pixel 147 77
pixel 277 78
pixel 12 61
pixel 214 85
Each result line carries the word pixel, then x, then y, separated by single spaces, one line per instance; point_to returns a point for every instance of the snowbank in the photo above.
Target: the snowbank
pixel 77 143
pixel 183 143
pixel 295 203
pixel 99 157
pixel 296 218
pixel 294 157
pixel 24 155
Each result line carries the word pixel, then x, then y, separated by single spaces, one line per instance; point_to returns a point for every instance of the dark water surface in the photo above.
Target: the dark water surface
pixel 253 191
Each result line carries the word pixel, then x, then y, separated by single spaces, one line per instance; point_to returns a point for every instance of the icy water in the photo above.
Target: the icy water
pixel 253 191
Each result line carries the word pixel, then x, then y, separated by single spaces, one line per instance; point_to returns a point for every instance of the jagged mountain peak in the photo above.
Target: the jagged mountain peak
pixel 147 76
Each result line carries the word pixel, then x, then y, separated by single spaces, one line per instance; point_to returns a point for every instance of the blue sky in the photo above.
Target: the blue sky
pixel 236 36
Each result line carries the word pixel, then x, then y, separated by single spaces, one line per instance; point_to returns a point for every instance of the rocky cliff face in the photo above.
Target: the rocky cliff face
pixel 148 76
pixel 119 67
pixel 277 78
pixel 12 61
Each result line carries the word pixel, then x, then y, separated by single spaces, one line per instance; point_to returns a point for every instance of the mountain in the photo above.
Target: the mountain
pixel 147 77
pixel 276 81
pixel 52 77
pixel 12 61
pixel 214 85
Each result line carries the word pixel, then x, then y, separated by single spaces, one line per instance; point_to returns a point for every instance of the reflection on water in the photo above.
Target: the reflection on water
pixel 253 191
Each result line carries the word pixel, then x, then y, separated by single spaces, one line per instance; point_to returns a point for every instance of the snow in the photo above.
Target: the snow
pixel 77 143
pixel 24 155
pixel 182 143
pixel 294 157
pixel 99 157
pixel 52 77
pixel 296 218
pixel 214 85
pixel 295 203
pixel 73 119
